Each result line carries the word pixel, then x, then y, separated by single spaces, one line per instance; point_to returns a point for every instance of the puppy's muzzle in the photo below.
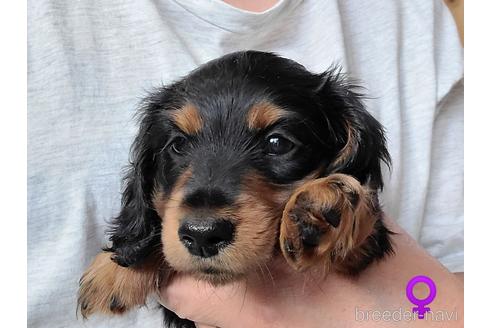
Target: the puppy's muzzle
pixel 204 237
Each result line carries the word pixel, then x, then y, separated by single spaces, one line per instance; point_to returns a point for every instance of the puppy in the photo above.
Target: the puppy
pixel 248 157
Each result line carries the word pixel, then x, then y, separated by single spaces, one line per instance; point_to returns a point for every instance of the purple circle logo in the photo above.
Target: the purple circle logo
pixel 421 308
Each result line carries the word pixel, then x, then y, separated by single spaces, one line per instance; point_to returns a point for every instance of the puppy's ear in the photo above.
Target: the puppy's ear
pixel 360 139
pixel 135 232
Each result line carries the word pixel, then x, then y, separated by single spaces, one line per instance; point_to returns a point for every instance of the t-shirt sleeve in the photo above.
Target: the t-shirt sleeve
pixel 448 51
pixel 442 231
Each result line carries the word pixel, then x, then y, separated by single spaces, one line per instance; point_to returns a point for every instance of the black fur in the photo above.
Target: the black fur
pixel 171 320
pixel 344 99
pixel 320 107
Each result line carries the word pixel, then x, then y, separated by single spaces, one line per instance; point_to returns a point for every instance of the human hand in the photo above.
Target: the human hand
pixel 275 296
pixel 278 296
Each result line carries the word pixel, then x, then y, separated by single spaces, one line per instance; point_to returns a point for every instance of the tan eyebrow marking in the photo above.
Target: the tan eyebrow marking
pixel 188 119
pixel 264 114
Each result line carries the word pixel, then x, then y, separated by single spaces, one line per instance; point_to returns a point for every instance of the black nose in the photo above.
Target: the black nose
pixel 205 237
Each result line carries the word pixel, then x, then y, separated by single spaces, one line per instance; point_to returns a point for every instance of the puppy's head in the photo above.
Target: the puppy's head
pixel 219 153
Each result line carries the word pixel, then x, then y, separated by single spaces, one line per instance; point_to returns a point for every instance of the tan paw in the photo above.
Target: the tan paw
pixel 324 220
pixel 109 288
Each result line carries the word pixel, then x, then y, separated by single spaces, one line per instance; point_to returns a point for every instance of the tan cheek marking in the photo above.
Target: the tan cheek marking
pixel 188 119
pixel 258 210
pixel 163 202
pixel 264 114
pixel 171 212
pixel 159 202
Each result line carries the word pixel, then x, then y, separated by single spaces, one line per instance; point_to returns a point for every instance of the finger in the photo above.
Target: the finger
pixel 199 325
pixel 201 302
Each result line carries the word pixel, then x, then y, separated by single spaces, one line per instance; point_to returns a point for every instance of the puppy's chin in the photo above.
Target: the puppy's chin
pixel 216 277
pixel 209 271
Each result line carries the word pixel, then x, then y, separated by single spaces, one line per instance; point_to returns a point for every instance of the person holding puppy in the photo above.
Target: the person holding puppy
pixel 88 65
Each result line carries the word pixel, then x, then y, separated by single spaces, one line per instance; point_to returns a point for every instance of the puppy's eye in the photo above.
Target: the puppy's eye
pixel 278 145
pixel 178 145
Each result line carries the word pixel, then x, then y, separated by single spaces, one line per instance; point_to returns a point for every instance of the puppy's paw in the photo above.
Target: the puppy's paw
pixel 324 220
pixel 109 288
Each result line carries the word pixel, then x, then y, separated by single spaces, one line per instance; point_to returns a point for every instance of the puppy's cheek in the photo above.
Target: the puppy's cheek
pixel 174 252
pixel 253 246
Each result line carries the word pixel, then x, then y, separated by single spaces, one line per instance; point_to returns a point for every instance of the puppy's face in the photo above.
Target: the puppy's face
pixel 230 171
pixel 223 149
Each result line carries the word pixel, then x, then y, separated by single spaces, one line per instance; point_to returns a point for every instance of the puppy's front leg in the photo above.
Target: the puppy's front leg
pixel 329 220
pixel 109 288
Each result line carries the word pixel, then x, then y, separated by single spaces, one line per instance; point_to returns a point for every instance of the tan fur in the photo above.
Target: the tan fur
pixel 256 214
pixel 263 115
pixel 188 119
pixel 259 210
pixel 109 288
pixel 171 210
pixel 356 223
pixel 348 149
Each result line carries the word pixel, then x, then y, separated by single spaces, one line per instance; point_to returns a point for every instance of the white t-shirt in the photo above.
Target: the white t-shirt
pixel 90 62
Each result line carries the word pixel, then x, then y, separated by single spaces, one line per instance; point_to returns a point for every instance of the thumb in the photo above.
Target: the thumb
pixel 199 301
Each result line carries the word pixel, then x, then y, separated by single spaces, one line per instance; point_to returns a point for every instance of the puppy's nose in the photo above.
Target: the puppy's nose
pixel 205 237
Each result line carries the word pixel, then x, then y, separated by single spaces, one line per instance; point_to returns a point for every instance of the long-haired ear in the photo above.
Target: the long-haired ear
pixel 135 232
pixel 360 137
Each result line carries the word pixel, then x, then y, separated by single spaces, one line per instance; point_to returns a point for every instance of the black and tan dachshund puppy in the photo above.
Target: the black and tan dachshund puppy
pixel 248 157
